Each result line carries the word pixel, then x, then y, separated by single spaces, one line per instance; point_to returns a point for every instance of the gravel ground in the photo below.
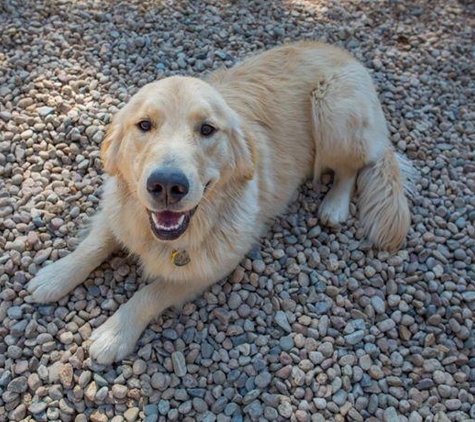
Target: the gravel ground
pixel 313 325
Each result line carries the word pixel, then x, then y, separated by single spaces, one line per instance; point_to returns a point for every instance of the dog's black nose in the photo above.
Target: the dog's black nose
pixel 168 185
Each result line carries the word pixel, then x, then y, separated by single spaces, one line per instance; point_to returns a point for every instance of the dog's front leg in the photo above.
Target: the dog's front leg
pixel 116 338
pixel 59 278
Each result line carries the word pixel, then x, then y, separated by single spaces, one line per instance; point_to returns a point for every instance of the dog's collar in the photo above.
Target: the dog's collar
pixel 180 258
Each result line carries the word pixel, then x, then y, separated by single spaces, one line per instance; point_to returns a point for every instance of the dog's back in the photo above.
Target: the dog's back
pixel 314 108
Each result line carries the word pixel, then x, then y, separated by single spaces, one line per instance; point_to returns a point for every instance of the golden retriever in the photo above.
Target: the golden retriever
pixel 198 167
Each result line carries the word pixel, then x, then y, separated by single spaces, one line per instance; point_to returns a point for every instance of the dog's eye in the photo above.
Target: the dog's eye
pixel 145 125
pixel 207 130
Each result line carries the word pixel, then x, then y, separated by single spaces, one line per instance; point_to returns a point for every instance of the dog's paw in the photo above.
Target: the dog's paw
pixel 52 282
pixel 115 339
pixel 333 210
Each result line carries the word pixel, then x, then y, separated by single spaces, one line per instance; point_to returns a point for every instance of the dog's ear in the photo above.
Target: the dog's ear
pixel 244 151
pixel 110 146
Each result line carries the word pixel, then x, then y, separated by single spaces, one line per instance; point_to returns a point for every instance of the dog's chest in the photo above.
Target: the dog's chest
pixel 187 265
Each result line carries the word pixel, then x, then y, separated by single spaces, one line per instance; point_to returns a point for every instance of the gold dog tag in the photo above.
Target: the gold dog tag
pixel 180 258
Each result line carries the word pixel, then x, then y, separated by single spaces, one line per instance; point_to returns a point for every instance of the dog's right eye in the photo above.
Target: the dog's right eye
pixel 207 129
pixel 145 125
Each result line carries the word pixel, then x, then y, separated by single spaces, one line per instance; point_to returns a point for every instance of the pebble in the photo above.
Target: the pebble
pixel 37 407
pixel 119 391
pixel 453 404
pixel 354 338
pixel 179 364
pixel 263 380
pixel 66 374
pixel 18 385
pixel 160 381
pixel 15 312
pixel 163 407
pixel 98 416
pixel 131 414
pixel 282 322
pixel 326 349
pixel 386 325
pixel 200 405
pixel 286 343
pixel 378 305
pixel 390 415
pixel 139 367
pixel 234 301
pixel 469 296
pixel 285 410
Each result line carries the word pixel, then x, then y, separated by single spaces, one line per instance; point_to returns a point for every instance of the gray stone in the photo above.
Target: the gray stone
pixel 355 337
pixel 390 415
pixel 282 322
pixel 18 385
pixel 179 364
pixel 263 379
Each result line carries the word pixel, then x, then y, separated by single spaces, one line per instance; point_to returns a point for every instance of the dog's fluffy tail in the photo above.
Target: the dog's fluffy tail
pixel 383 187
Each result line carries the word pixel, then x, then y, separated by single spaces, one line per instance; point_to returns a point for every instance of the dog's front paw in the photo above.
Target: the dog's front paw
pixel 116 338
pixel 53 282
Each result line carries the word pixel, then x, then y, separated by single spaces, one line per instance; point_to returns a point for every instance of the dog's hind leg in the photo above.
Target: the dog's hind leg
pixel 59 278
pixel 352 139
pixel 335 207
pixel 334 122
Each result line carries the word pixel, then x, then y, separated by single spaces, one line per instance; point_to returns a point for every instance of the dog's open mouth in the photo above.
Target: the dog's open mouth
pixel 170 225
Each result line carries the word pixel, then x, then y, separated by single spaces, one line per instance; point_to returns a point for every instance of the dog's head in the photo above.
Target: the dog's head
pixel 175 140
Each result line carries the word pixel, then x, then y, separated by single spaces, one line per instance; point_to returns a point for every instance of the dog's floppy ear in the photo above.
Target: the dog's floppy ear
pixel 244 151
pixel 110 146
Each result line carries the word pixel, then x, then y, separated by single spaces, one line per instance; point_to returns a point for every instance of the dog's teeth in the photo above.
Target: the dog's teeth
pixel 155 220
pixel 161 226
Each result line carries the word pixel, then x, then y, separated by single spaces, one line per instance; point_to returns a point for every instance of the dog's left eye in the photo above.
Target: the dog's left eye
pixel 145 125
pixel 207 130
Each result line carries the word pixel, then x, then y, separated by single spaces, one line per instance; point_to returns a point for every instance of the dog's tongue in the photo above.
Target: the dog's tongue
pixel 168 219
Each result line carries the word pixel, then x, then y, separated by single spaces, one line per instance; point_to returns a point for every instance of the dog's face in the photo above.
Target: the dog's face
pixel 175 140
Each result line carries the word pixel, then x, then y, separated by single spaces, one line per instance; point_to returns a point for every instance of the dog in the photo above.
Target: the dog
pixel 198 167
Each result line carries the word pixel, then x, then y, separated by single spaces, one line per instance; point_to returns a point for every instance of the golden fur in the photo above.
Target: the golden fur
pixel 283 116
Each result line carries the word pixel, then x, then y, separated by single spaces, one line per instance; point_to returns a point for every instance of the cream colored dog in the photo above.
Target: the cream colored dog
pixel 198 167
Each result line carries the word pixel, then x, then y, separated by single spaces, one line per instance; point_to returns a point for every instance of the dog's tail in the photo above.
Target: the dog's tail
pixel 383 187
